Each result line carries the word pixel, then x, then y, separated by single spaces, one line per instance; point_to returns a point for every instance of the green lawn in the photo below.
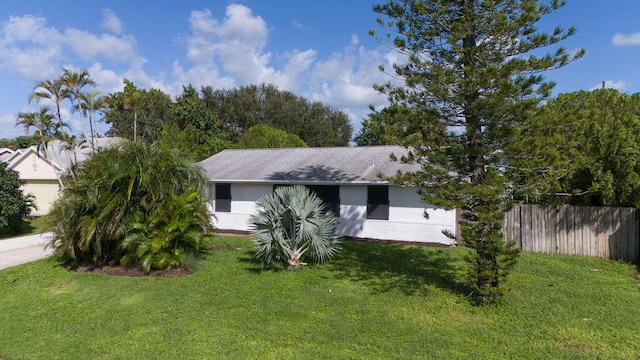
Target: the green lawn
pixel 32 226
pixel 375 301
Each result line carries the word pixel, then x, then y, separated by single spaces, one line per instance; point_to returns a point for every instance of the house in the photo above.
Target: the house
pixel 345 178
pixel 39 175
pixel 5 153
pixel 41 172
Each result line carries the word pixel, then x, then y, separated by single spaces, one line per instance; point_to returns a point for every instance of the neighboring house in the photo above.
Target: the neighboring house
pixel 40 173
pixel 5 154
pixel 346 178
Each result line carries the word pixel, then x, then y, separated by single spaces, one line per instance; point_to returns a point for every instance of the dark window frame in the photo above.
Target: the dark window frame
pixel 329 194
pixel 222 197
pixel 378 202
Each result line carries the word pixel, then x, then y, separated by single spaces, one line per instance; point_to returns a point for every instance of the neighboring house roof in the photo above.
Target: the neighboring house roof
pixel 61 154
pixel 5 154
pixel 349 165
pixel 22 154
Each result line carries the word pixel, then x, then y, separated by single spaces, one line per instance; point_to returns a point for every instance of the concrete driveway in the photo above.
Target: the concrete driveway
pixel 24 249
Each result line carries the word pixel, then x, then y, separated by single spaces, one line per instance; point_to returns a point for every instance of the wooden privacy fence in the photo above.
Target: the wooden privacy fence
pixel 611 233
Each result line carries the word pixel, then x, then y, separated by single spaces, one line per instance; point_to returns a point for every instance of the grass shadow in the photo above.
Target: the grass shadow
pixel 256 266
pixel 31 226
pixel 410 269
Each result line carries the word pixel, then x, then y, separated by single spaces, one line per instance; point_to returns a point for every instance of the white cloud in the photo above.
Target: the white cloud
pixel 232 51
pixel 90 46
pixel 296 24
pixel 346 79
pixel 111 22
pixel 108 81
pixel 626 39
pixel 237 43
pixel 39 59
pixel 198 76
pixel 34 51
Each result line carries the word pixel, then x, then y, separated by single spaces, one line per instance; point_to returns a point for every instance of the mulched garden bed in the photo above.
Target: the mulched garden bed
pixel 133 271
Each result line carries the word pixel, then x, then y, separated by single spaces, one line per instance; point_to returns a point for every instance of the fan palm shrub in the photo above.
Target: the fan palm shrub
pixel 116 190
pixel 291 223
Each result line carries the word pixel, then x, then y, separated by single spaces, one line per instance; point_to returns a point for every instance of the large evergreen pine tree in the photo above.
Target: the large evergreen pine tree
pixel 476 64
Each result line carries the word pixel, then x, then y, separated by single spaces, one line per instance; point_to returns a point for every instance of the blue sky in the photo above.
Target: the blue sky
pixel 316 49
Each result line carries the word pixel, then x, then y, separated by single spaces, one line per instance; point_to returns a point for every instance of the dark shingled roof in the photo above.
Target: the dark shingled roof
pixel 352 165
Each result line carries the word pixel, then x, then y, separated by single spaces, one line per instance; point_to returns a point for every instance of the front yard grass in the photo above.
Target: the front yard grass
pixel 32 226
pixel 375 301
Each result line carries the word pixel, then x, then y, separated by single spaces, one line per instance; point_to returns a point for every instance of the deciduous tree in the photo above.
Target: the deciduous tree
pixel 263 136
pixel 315 123
pixel 595 136
pixel 138 113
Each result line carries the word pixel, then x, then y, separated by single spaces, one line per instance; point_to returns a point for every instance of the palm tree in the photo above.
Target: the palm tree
pixel 132 203
pixel 132 101
pixel 75 81
pixel 55 91
pixel 46 129
pixel 71 146
pixel 92 103
pixel 290 222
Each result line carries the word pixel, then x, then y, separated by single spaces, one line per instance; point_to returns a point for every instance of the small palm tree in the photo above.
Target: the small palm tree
pixel 290 223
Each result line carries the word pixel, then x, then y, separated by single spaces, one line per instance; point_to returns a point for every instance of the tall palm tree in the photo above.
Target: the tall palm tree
pixel 132 100
pixel 55 91
pixel 90 103
pixel 46 129
pixel 75 81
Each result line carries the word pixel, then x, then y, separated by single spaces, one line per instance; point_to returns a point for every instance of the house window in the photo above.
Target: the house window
pixel 378 202
pixel 223 197
pixel 329 194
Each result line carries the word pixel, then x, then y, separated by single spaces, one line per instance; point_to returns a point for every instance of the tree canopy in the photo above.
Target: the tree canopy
pixel 316 124
pixel 202 123
pixel 596 143
pixel 14 204
pixel 138 113
pixel 263 136
pixel 475 65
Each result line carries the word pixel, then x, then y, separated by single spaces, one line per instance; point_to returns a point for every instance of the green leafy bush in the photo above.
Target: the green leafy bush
pixel 290 223
pixel 14 205
pixel 133 204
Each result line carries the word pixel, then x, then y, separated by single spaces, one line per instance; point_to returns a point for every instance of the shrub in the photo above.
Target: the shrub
pixel 14 205
pixel 290 223
pixel 134 192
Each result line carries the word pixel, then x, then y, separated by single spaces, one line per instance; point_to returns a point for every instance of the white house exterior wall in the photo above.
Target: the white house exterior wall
pixel 243 204
pixel 406 215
